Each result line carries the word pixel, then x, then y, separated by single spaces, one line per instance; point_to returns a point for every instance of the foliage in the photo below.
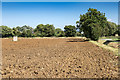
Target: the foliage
pixel 118 30
pixel 70 31
pixel 90 22
pixel 59 32
pixel 78 34
pixel 15 32
pixel 24 31
pixel 45 30
pixel 6 31
pixel 112 28
pixel 95 31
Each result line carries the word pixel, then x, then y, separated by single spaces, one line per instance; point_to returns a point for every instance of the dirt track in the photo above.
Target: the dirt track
pixel 56 58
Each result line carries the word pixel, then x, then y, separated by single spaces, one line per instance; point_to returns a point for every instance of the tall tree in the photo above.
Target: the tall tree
pixel 112 28
pixel 118 30
pixel 92 23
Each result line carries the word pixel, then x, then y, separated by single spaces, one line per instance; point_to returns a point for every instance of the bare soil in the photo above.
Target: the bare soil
pixel 114 44
pixel 56 58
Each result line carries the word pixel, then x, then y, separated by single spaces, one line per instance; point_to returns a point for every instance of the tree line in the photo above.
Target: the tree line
pixel 92 24
pixel 41 30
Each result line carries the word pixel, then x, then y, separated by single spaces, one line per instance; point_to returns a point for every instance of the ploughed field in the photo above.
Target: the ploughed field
pixel 56 58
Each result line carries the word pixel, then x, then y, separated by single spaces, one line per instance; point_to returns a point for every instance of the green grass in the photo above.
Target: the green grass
pixel 110 37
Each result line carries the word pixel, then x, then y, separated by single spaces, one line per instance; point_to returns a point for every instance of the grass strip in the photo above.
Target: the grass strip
pixel 106 47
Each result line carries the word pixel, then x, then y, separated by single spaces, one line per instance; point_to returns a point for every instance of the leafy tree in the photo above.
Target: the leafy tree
pixel 70 31
pixel 112 28
pixel 20 29
pixel 27 33
pixel 78 34
pixel 24 31
pixel 25 27
pixel 15 32
pixel 45 30
pixel 0 31
pixel 59 33
pixel 118 31
pixel 95 31
pixel 91 21
pixel 6 31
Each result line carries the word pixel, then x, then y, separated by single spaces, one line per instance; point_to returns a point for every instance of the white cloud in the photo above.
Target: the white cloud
pixel 109 19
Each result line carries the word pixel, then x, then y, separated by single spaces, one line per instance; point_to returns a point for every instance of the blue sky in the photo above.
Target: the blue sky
pixel 60 0
pixel 57 13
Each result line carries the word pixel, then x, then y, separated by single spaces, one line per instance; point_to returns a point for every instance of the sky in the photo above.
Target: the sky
pixel 60 0
pixel 57 13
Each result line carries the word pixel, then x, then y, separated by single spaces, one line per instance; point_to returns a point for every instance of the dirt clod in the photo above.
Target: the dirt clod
pixel 56 58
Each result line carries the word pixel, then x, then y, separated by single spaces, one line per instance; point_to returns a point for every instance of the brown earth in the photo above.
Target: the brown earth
pixel 114 44
pixel 56 58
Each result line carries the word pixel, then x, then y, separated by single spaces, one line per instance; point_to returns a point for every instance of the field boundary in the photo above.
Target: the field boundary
pixel 106 47
pixel 45 37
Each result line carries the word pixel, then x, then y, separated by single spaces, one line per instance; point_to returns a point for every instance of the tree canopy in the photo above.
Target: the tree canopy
pixel 59 32
pixel 45 30
pixel 94 24
pixel 70 31
pixel 24 31
pixel 6 31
